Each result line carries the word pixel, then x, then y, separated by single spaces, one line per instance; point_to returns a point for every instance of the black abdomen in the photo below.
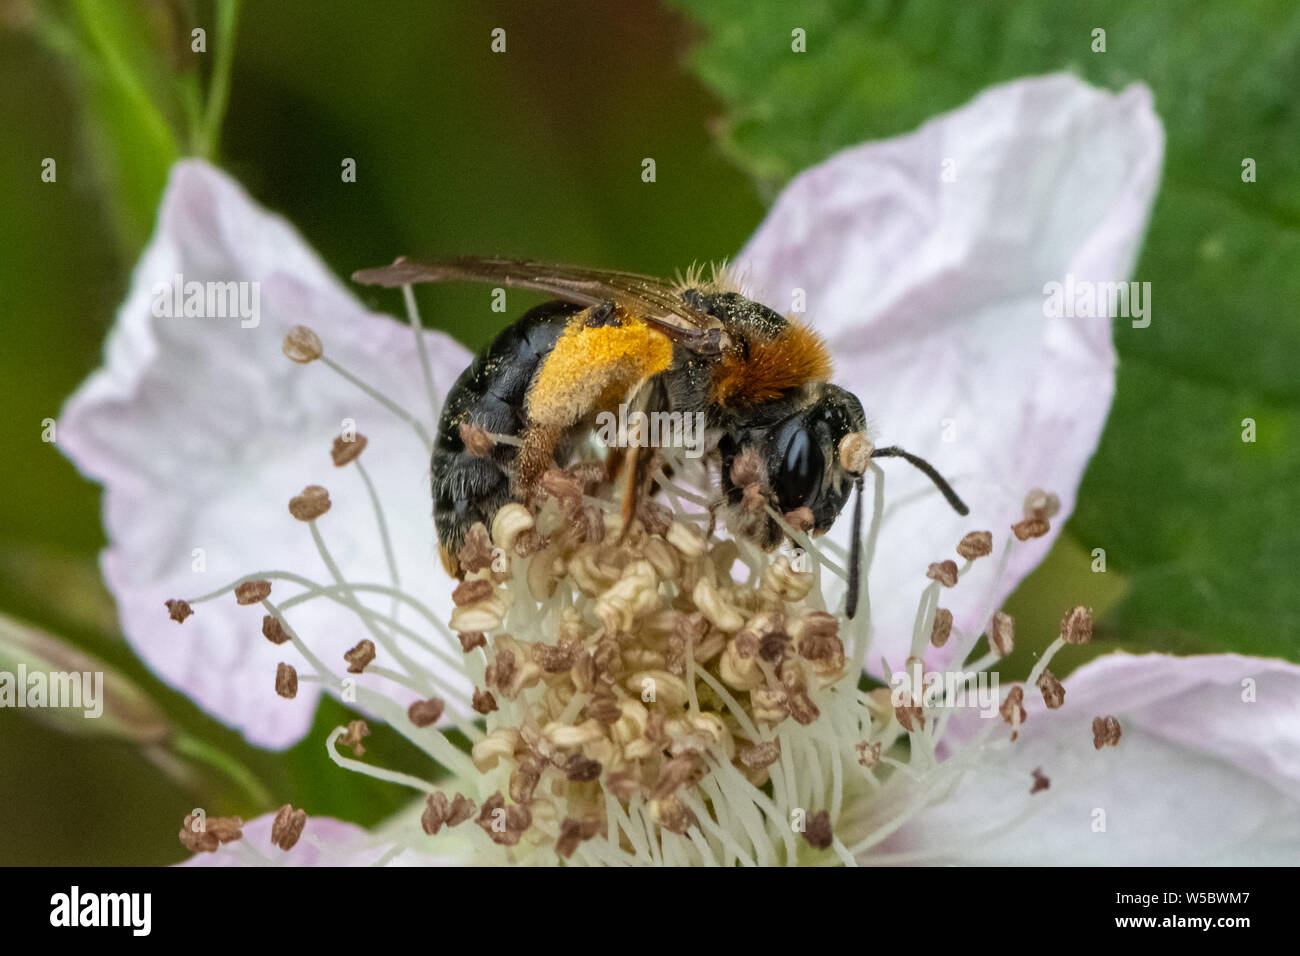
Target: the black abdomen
pixel 491 393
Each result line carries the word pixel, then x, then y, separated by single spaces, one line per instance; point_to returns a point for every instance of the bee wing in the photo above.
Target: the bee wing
pixel 653 300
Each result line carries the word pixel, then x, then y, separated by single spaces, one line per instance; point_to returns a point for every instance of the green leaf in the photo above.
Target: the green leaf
pixel 1201 524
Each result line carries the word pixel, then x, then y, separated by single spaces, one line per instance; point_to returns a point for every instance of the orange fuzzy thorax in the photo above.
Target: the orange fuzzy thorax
pixel 792 359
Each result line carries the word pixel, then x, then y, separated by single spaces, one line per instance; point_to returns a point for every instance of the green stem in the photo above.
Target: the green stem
pixel 205 753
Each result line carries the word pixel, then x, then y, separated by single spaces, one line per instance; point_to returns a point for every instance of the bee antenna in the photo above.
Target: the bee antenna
pixel 855 554
pixel 893 451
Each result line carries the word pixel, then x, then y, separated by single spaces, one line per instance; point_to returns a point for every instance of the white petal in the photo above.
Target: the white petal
pixel 931 294
pixel 201 431
pixel 1202 773
pixel 324 842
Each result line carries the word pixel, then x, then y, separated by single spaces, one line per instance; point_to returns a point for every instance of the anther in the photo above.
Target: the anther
pixel 273 630
pixel 1053 690
pixel 360 656
pixel 942 627
pixel 471 639
pixel 288 826
pixel 1076 626
pixel 471 592
pixel 855 453
pixel 311 504
pixel 302 345
pixel 476 553
pixel 425 713
pixel 1013 710
pixel 1030 528
pixel 1002 634
pixel 977 544
pixel 868 754
pixel 1041 504
pixel 178 610
pixel 286 681
pixel 347 450
pixel 251 592
pixel 484 702
pixel 357 730
pixel 1040 782
pixel 817 831
pixel 945 572
pixel 1105 732
pixel 760 755
pixel 574 832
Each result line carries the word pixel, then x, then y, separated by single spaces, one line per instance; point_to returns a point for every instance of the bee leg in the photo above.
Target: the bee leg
pixel 535 456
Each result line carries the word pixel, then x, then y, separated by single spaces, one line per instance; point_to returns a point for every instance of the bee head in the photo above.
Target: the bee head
pixel 795 456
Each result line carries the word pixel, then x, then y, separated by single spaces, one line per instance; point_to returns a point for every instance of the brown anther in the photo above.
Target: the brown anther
pixel 868 754
pixel 772 646
pixel 178 610
pixel 1040 782
pixel 574 832
pixel 802 708
pixel 580 769
pixel 746 468
pixel 977 544
pixel 1013 710
pixel 198 841
pixel 760 755
pixel 820 640
pixel 484 702
pixel 426 713
pixel 347 450
pixel 439 812
pixel 942 629
pixel 471 592
pixel 945 572
pixel 818 832
pixel 476 440
pixel 286 681
pixel 910 716
pixel 225 829
pixel 564 488
pixel 471 639
pixel 302 345
pixel 356 732
pixel 251 592
pixel 604 709
pixel 622 785
pixel 311 504
pixel 1105 732
pixel 524 779
pixel 501 672
pixel 1030 528
pixel 273 630
pixel 476 553
pixel 800 519
pixel 1053 690
pixel 1041 504
pixel 1076 626
pixel 554 658
pixel 359 657
pixel 1002 634
pixel 855 453
pixel 673 815
pixel 505 825
pixel 752 499
pixel 288 826
pixel 685 770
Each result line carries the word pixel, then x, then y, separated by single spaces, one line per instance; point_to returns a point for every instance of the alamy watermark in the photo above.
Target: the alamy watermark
pixel 74 690
pixel 914 687
pixel 1083 298
pixel 637 429
pixel 209 300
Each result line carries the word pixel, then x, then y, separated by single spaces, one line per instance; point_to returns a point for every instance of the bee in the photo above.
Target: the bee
pixel 782 436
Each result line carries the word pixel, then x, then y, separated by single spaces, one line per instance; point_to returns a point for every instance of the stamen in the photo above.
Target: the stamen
pixel 413 315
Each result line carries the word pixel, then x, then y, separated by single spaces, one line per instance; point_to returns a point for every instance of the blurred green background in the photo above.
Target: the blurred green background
pixel 537 152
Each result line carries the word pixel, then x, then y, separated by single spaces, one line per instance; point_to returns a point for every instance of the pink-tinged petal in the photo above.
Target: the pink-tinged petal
pixel 324 842
pixel 201 431
pixel 931 293
pixel 1207 771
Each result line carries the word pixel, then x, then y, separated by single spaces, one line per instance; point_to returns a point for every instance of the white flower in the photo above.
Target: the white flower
pixel 923 259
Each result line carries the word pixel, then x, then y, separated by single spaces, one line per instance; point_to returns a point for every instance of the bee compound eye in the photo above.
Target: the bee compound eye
pixel 800 468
